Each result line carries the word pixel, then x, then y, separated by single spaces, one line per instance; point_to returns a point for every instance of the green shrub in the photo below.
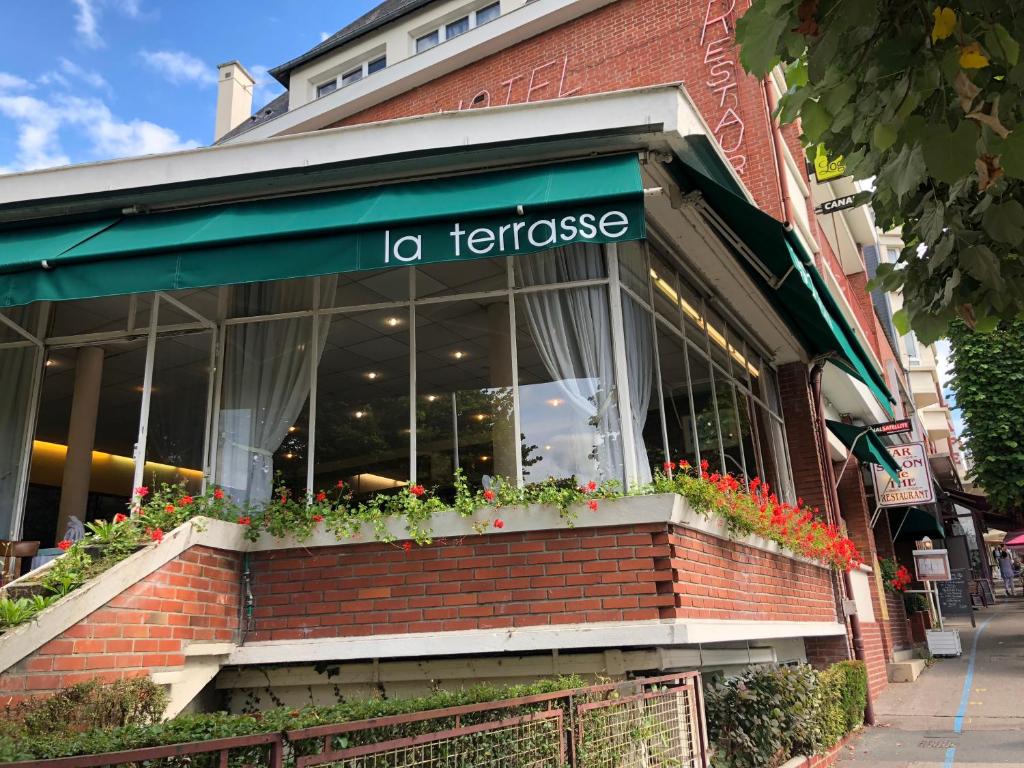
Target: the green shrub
pixel 767 715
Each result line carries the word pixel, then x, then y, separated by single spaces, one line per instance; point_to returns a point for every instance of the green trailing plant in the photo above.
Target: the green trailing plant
pixel 988 379
pixel 766 715
pixel 927 99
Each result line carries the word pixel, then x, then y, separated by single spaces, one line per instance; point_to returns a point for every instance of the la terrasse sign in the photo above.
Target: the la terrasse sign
pixel 915 482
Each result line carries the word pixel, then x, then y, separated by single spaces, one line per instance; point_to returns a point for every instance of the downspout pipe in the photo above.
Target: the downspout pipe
pixel 833 514
pixel 775 131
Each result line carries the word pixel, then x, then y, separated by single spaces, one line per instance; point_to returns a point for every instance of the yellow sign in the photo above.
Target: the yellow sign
pixel 825 169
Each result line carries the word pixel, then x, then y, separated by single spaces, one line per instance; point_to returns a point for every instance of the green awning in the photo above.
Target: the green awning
pixel 866 446
pixel 788 277
pixel 473 216
pixel 914 523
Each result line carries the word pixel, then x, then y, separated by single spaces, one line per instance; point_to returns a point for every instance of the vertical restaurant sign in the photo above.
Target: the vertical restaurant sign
pixel 717 40
pixel 914 485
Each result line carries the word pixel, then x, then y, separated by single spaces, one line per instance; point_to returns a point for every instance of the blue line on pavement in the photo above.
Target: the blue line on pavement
pixel 965 697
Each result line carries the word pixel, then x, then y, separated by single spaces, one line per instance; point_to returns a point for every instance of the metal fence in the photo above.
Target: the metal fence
pixel 646 723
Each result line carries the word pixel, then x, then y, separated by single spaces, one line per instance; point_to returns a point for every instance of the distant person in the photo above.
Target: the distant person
pixel 1006 571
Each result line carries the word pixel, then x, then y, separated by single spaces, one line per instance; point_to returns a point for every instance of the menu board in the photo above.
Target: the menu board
pixel 955 594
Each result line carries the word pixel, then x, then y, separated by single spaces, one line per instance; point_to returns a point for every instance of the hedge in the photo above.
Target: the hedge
pixel 766 715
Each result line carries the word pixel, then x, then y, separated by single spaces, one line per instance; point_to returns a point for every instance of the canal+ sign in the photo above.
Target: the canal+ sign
pixel 834 206
pixel 914 485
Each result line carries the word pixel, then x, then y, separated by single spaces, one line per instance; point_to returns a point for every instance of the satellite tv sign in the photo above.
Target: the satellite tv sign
pixel 914 485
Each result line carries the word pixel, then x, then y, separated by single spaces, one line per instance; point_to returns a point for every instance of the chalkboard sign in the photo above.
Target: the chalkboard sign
pixel 955 594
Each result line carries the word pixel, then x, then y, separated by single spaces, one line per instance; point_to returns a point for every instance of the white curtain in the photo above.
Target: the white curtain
pixel 266 384
pixel 17 365
pixel 571 330
pixel 640 371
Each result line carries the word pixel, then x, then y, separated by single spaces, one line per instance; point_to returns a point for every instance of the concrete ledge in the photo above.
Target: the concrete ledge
pixel 563 636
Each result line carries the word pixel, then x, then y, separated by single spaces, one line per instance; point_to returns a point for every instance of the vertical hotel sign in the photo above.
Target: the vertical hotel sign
pixel 914 485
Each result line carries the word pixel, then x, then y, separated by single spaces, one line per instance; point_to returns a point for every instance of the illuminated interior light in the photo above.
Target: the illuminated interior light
pixel 480 416
pixel 372 375
pixel 50 362
pixel 484 458
pixel 555 402
pixel 458 355
pixel 431 398
pixel 289 455
pixel 359 414
pixel 293 428
pixel 391 322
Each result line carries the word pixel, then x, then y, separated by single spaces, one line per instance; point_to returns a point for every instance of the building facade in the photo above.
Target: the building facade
pixel 515 240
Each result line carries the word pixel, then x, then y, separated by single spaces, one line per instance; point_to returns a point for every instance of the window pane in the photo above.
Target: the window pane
pixel 728 422
pixel 488 13
pixel 323 90
pixel 377 286
pixel 376 65
pixel 26 317
pixel 675 391
pixel 181 380
pixel 351 77
pixel 643 402
pixel 456 28
pixel 461 277
pixel 265 393
pixel 72 318
pixel 17 366
pixel 427 41
pixel 704 409
pixel 362 414
pixel 464 392
pixel 271 298
pixel 561 265
pixel 666 293
pixel 751 459
pixel 634 272
pixel 569 418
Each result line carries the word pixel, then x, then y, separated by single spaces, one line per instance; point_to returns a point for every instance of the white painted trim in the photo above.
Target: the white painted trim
pixel 565 636
pixel 17 643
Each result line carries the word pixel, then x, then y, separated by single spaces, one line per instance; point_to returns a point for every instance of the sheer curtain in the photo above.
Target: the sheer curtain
pixel 17 365
pixel 266 384
pixel 636 321
pixel 571 330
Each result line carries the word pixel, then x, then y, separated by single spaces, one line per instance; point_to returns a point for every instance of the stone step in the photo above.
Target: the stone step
pixel 904 655
pixel 906 671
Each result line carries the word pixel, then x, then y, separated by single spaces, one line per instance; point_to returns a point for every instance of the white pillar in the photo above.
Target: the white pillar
pixel 74 491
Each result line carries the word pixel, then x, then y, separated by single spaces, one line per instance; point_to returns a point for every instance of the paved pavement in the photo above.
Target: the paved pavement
pixel 959 713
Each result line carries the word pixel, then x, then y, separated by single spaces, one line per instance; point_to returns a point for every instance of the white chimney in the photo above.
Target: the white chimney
pixel 234 97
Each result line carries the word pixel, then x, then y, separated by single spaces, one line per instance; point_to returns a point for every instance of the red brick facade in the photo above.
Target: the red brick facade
pixel 628 573
pixel 194 597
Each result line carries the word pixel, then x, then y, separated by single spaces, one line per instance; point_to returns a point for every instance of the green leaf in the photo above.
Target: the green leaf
pixel 883 137
pixel 999 39
pixel 899 319
pixel 950 156
pixel 932 221
pixel 905 173
pixel 758 32
pixel 1005 222
pixel 1012 159
pixel 982 265
pixel 815 120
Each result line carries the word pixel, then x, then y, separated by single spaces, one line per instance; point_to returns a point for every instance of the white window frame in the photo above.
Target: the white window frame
pixel 441 30
pixel 363 67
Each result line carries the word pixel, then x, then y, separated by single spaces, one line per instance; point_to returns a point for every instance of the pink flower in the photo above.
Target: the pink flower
pixel 142 491
pixel 417 490
pixel 489 495
pixel 65 544
pixel 593 505
pixel 499 523
pixel 120 518
pixel 341 484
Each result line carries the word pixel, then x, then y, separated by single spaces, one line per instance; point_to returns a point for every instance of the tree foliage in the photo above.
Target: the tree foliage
pixel 988 381
pixel 927 99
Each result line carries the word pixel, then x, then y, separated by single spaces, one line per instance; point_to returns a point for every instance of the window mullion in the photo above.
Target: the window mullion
pixel 621 376
pixel 147 392
pixel 412 376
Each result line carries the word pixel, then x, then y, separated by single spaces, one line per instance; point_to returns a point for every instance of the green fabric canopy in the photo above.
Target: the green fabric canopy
pixel 473 216
pixel 913 523
pixel 790 281
pixel 866 446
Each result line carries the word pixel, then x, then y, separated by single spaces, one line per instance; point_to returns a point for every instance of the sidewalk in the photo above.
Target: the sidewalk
pixel 940 722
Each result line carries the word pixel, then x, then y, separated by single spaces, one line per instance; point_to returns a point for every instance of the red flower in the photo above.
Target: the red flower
pixel 669 466
pixel 341 484
pixel 156 535
pixel 318 518
pixel 284 498
pixel 407 545
pixel 246 520
pixel 120 518
pixel 417 490
pixel 321 496
pixel 684 464
pixel 169 508
pixel 593 505
pixel 185 501
pixel 591 486
pixel 499 523
pixel 218 494
pixel 142 491
pixel 489 495
pixel 65 544
pixel 704 464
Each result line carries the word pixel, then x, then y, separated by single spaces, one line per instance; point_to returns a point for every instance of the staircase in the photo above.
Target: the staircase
pixel 905 667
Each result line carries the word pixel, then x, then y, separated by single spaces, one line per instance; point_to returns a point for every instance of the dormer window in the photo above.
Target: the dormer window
pixel 458 27
pixel 353 75
pixel 325 88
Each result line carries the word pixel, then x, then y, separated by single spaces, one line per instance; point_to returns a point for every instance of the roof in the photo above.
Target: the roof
pixel 386 12
pixel 277 106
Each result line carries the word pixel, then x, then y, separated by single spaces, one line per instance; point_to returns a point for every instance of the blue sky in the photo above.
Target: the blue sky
pixel 85 80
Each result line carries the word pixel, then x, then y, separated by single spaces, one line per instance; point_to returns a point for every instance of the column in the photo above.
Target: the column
pixel 500 368
pixel 74 491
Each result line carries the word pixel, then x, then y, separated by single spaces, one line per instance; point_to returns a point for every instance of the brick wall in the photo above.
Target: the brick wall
pixel 800 414
pixel 628 573
pixel 627 44
pixel 144 629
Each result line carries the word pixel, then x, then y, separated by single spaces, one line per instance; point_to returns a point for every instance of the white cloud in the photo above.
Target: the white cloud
pixel 39 124
pixel 87 76
pixel 324 36
pixel 87 23
pixel 179 67
pixel 129 8
pixel 9 82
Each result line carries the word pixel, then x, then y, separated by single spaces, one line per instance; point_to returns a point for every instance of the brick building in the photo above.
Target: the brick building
pixel 568 220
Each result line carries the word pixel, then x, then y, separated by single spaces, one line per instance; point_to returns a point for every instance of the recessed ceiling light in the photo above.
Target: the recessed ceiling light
pixel 547 447
pixel 391 322
pixel 458 355
pixel 480 417
pixel 372 375
pixel 555 402
pixel 484 458
pixel 431 398
pixel 289 455
pixel 293 428
pixel 50 363
pixel 359 414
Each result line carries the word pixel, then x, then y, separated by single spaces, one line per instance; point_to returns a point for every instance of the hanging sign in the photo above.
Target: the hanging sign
pixel 835 206
pixel 893 427
pixel 826 169
pixel 914 485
